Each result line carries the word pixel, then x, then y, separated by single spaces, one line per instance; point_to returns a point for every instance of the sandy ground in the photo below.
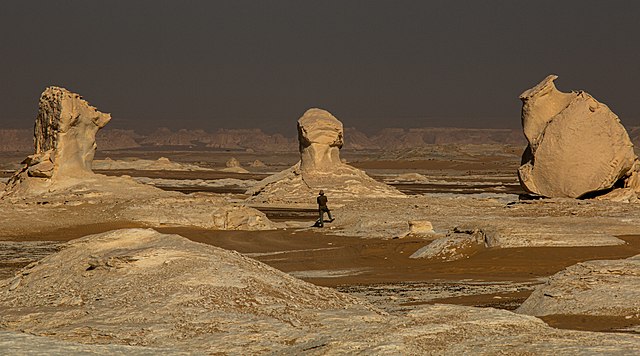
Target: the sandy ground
pixel 378 270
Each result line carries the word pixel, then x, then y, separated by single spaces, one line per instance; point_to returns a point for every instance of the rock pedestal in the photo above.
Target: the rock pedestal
pixel 577 145
pixel 320 137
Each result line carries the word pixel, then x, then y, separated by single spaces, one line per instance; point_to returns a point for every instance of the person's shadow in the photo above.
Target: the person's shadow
pixel 318 224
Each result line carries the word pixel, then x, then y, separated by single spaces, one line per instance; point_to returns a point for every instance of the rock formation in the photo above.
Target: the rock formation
pixel 64 137
pixel 602 287
pixel 59 176
pixel 320 137
pixel 234 166
pixel 577 145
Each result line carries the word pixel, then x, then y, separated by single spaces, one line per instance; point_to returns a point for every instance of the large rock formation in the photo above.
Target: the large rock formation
pixel 577 145
pixel 320 137
pixel 64 137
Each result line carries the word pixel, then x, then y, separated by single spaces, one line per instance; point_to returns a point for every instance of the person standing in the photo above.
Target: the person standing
pixel 322 208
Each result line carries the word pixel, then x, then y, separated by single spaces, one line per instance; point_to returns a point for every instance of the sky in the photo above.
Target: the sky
pixel 261 64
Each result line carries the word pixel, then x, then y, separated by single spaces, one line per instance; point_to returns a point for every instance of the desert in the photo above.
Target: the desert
pixel 151 249
pixel 319 178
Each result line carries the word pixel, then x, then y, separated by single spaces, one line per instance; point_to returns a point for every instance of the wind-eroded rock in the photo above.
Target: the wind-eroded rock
pixel 64 137
pixel 577 145
pixel 320 136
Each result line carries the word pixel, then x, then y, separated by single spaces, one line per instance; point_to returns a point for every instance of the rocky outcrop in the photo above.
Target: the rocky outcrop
pixel 140 287
pixel 462 242
pixel 577 145
pixel 64 137
pixel 320 137
pixel 233 166
pixel 603 287
pixel 59 176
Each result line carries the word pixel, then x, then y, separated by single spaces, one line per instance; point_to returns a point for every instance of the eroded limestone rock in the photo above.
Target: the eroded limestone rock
pixel 320 137
pixel 234 166
pixel 577 145
pixel 602 287
pixel 64 137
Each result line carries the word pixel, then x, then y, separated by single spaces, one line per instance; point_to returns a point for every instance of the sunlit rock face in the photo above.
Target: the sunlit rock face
pixel 64 137
pixel 577 145
pixel 320 136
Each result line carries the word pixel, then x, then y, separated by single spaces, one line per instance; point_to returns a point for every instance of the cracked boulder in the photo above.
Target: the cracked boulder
pixel 577 145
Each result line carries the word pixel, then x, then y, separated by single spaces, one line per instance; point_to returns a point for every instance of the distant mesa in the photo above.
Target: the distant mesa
pixel 320 138
pixel 577 145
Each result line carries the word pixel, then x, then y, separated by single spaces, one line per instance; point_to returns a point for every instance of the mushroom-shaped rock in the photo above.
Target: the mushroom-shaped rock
pixel 577 145
pixel 320 136
pixel 64 137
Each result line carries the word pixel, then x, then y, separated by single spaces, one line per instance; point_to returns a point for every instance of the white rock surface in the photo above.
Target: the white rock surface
pixel 161 164
pixel 320 136
pixel 602 287
pixel 577 145
pixel 458 244
pixel 258 164
pixel 140 287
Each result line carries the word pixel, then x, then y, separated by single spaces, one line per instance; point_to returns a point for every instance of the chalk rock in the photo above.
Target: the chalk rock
pixel 320 137
pixel 233 166
pixel 232 162
pixel 577 145
pixel 64 137
pixel 462 242
pixel 420 227
pixel 602 287
pixel 258 164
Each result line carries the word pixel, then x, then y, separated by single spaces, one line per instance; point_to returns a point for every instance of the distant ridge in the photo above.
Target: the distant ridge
pixel 259 141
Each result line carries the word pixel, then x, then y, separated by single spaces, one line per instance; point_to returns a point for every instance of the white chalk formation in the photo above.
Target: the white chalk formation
pixel 64 137
pixel 602 287
pixel 577 145
pixel 320 137
pixel 233 166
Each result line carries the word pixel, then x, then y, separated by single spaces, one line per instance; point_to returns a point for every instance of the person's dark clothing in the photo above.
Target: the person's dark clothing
pixel 322 208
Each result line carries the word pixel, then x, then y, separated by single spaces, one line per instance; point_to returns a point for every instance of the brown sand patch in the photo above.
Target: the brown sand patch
pixel 592 322
pixel 386 261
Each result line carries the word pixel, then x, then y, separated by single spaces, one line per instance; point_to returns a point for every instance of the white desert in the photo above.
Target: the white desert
pixel 445 241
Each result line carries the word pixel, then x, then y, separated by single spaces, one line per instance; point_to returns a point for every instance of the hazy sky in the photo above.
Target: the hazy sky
pixel 211 64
